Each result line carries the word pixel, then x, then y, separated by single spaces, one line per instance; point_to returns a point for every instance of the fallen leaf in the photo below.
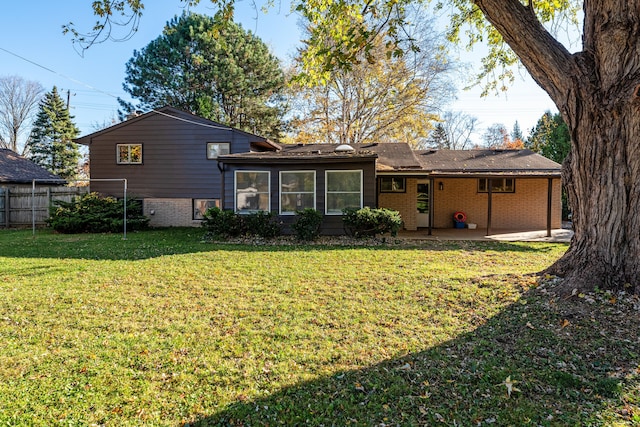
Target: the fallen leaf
pixel 359 387
pixel 530 326
pixel 565 323
pixel 509 384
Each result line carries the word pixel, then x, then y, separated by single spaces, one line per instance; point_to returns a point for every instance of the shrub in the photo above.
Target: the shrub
pixel 226 223
pixel 307 224
pixel 369 222
pixel 222 223
pixel 92 213
pixel 263 224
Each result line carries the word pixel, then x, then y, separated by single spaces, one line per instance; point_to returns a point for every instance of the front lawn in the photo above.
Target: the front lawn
pixel 162 329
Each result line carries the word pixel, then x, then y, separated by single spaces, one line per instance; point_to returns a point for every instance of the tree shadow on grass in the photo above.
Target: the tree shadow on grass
pixel 541 362
pixel 174 241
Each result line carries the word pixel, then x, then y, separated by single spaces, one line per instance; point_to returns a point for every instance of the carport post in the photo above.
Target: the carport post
pixel 549 202
pixel 431 193
pixel 489 193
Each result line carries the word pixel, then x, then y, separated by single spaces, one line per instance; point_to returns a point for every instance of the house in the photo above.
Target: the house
pixel 180 164
pixel 16 171
pixel 168 158
pixel 18 179
pixel 495 189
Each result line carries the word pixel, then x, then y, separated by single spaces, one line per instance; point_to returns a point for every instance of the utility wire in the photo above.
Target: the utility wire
pixel 107 93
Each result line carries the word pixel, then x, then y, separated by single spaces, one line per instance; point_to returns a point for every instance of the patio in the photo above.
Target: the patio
pixel 560 235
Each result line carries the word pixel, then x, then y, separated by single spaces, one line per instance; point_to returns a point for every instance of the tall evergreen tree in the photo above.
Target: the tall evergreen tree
pixel 516 132
pixel 550 137
pixel 213 68
pixel 51 143
pixel 438 137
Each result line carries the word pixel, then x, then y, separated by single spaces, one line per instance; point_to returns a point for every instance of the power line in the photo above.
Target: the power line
pixel 107 93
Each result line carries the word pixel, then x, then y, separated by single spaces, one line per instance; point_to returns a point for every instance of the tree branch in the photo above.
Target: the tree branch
pixel 546 59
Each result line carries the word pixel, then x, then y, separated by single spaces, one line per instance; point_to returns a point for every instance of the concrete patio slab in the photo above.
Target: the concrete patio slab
pixel 557 235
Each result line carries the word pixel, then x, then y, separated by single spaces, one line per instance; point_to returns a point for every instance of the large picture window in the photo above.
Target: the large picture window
pixel 129 154
pixel 297 191
pixel 252 191
pixel 498 185
pixel 343 190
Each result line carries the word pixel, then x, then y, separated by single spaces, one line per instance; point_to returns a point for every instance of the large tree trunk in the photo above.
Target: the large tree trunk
pixel 598 94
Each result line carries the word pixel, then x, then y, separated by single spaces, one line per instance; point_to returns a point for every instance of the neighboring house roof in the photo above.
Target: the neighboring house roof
pixel 181 116
pixel 483 162
pixel 15 169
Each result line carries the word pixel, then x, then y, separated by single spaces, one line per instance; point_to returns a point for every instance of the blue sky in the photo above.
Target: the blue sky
pixel 33 31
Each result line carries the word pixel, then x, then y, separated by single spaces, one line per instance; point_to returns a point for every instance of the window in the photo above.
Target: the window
pixel 498 185
pixel 297 191
pixel 252 191
pixel 392 185
pixel 200 206
pixel 129 154
pixel 215 149
pixel 344 190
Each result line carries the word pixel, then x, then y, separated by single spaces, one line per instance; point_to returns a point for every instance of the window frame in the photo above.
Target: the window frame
pixel 393 179
pixel 281 193
pixel 219 151
pixel 504 188
pixel 235 191
pixel 327 192
pixel 128 161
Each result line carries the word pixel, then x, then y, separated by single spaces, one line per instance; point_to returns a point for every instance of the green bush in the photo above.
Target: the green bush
pixel 370 222
pixel 307 224
pixel 222 223
pixel 226 223
pixel 92 213
pixel 262 224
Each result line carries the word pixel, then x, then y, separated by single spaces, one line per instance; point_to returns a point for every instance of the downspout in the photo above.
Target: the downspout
pixel 222 187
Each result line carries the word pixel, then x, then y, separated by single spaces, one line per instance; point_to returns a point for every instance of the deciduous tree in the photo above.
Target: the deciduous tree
pixel 453 132
pixel 18 103
pixel 380 97
pixel 51 143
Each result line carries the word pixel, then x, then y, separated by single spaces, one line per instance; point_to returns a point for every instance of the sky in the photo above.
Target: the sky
pixel 33 47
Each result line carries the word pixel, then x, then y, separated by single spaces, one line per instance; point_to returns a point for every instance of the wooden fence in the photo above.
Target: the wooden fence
pixel 19 205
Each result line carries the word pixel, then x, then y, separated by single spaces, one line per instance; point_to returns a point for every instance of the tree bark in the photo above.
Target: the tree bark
pixel 597 91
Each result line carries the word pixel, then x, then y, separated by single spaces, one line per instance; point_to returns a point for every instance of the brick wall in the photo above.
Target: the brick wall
pixel 170 212
pixel 405 203
pixel 524 209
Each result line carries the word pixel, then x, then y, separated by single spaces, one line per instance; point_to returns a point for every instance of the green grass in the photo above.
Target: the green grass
pixel 162 329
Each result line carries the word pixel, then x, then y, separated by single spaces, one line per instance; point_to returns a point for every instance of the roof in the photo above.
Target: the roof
pixel 15 169
pixel 177 114
pixel 479 162
pixel 400 158
pixel 295 153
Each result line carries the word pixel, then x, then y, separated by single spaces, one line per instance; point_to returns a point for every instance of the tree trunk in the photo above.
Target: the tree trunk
pixel 601 176
pixel 598 94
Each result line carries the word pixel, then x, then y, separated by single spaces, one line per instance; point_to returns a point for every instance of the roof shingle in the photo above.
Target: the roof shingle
pixel 16 169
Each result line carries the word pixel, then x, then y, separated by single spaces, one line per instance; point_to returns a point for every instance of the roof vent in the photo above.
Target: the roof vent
pixel 344 148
